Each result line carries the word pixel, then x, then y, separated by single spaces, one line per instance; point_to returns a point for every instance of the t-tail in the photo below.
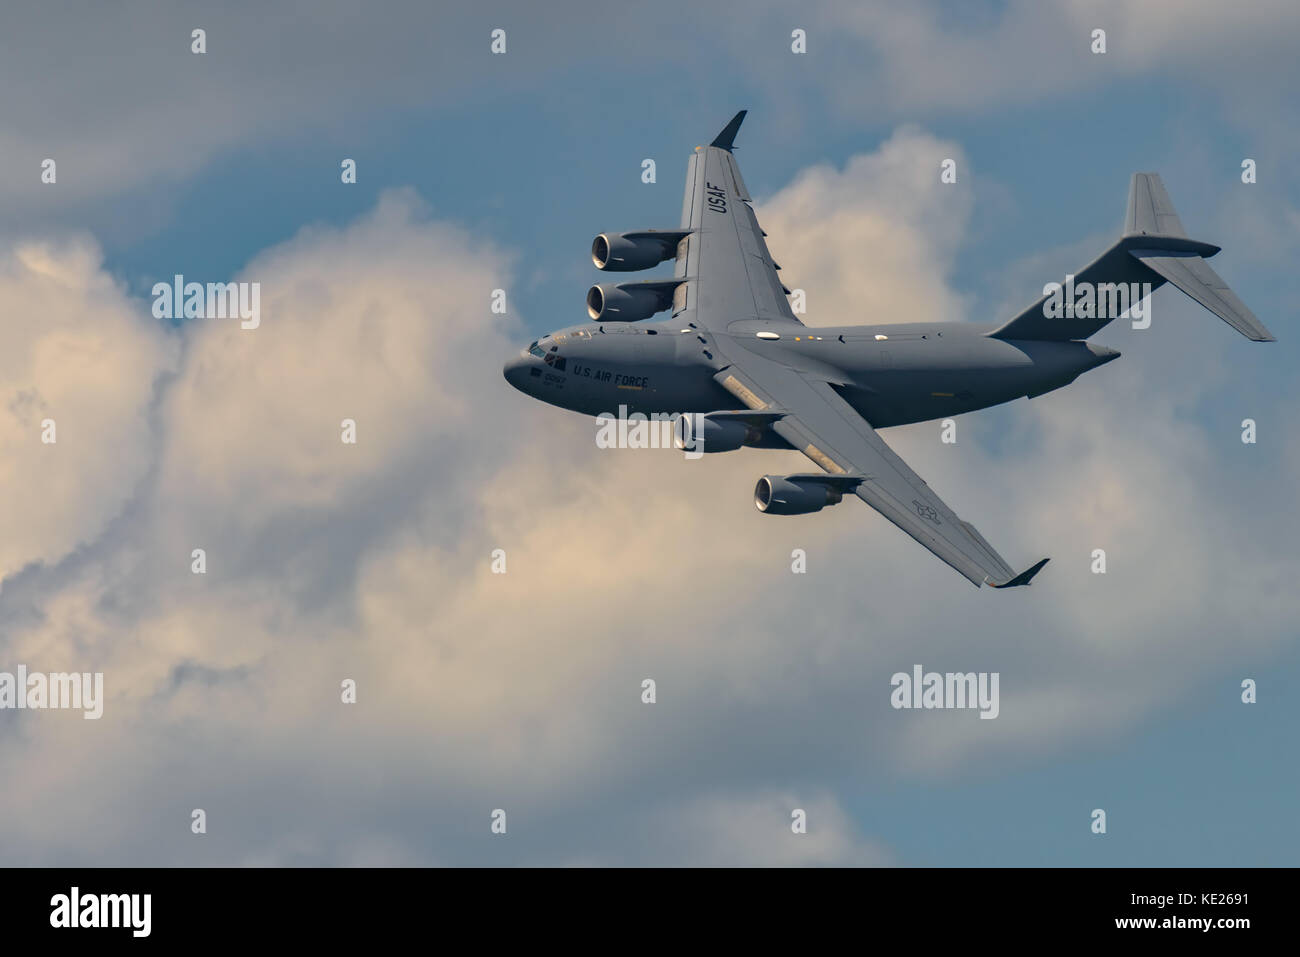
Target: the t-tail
pixel 1154 249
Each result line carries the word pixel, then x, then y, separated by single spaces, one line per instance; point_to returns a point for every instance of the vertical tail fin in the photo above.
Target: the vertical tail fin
pixel 1150 211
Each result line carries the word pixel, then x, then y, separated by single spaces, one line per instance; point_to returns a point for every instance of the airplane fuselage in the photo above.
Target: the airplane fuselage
pixel 891 374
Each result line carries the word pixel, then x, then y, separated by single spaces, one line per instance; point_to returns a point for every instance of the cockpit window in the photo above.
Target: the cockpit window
pixel 536 350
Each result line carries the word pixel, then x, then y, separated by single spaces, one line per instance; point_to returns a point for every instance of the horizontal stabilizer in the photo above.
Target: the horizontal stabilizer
pixel 1194 276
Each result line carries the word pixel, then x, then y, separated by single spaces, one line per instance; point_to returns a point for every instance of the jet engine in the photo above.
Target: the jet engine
pixel 728 431
pixel 801 494
pixel 630 301
pixel 628 252
pixel 711 433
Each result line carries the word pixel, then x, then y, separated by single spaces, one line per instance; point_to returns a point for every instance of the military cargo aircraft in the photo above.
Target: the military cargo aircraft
pixel 742 370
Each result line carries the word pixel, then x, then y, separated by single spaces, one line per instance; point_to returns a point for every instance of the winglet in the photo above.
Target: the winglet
pixel 1023 577
pixel 727 137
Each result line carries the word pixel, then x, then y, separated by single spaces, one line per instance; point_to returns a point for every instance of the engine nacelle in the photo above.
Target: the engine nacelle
pixel 628 252
pixel 714 432
pixel 727 431
pixel 629 301
pixel 794 495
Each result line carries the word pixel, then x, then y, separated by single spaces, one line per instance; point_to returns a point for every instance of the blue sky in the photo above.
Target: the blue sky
pixel 534 152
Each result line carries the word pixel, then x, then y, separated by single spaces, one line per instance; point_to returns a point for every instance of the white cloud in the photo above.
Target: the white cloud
pixel 78 352
pixel 873 243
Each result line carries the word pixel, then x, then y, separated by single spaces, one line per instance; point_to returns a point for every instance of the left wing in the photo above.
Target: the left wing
pixel 820 424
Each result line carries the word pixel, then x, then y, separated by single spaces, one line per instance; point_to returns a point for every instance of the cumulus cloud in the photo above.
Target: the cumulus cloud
pixel 78 373
pixel 873 242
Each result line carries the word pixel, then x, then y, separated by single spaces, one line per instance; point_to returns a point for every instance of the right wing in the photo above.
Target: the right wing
pixel 819 423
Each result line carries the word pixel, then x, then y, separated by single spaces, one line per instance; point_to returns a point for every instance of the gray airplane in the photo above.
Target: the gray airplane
pixel 744 371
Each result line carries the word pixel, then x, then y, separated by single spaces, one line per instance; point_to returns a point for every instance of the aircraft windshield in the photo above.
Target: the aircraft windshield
pixel 536 350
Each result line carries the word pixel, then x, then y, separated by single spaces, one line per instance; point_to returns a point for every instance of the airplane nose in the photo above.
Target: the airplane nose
pixel 516 372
